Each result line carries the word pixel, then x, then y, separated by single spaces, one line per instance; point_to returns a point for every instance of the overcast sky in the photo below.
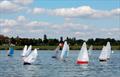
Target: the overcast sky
pixel 82 19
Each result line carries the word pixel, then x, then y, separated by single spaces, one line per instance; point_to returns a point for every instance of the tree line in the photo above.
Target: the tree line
pixel 17 41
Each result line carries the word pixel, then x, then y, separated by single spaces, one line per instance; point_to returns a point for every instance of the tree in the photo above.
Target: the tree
pixel 90 41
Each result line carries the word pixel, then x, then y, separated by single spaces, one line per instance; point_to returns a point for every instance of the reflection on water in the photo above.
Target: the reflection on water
pixel 45 66
pixel 29 71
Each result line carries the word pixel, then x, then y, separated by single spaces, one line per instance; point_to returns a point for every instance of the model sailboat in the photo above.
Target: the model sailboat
pixel 31 57
pixel 83 55
pixel 65 51
pixel 108 46
pixel 11 51
pixel 105 53
pixel 56 52
pixel 26 51
pixel 90 50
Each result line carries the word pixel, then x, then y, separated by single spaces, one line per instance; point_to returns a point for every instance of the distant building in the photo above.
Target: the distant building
pixel 45 37
pixel 45 40
pixel 61 39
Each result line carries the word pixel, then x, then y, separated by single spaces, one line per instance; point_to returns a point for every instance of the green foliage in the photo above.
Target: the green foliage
pixel 52 43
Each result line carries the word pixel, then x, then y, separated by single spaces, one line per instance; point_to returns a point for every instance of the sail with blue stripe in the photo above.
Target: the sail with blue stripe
pixel 65 51
pixel 11 51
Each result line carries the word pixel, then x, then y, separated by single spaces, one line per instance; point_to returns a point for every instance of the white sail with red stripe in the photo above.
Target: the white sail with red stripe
pixel 83 57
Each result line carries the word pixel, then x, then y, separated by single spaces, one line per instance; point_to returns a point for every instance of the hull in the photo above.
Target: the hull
pixel 54 57
pixel 9 55
pixel 102 60
pixel 82 62
pixel 26 63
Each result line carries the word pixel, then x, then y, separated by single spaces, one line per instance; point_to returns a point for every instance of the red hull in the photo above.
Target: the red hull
pixel 82 62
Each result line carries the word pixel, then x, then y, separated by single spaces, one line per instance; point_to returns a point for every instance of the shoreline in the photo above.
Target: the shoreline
pixel 53 47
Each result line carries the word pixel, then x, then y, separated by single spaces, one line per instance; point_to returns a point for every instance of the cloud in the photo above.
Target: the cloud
pixel 6 30
pixel 107 32
pixel 73 12
pixel 81 11
pixel 8 6
pixel 71 29
pixel 38 10
pixel 21 19
pixel 116 11
pixel 7 23
pixel 14 6
pixel 37 23
pixel 85 11
pixel 23 2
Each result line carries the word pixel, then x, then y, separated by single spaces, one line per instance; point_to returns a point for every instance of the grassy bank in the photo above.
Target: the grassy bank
pixel 53 47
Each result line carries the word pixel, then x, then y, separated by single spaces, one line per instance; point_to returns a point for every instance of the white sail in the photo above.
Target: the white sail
pixel 65 50
pixel 108 46
pixel 32 57
pixel 25 53
pixel 103 54
pixel 24 50
pixel 83 55
pixel 90 49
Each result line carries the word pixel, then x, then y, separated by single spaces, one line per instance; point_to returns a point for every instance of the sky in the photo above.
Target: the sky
pixel 82 19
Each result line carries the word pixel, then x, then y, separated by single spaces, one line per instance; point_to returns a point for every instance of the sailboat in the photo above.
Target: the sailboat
pixel 90 50
pixel 103 54
pixel 26 51
pixel 56 52
pixel 65 51
pixel 108 46
pixel 83 57
pixel 11 51
pixel 31 57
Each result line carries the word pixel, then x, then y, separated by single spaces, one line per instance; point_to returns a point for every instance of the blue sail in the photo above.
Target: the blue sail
pixel 11 51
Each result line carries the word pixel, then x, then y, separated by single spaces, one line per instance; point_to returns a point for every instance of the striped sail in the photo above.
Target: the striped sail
pixel 65 50
pixel 11 51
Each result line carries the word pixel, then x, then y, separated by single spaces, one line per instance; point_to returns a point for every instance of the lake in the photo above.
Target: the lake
pixel 45 66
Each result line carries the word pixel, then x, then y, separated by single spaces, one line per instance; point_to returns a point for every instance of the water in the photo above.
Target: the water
pixel 45 66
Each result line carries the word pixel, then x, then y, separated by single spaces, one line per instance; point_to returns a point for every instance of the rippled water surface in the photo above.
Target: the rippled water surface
pixel 45 66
